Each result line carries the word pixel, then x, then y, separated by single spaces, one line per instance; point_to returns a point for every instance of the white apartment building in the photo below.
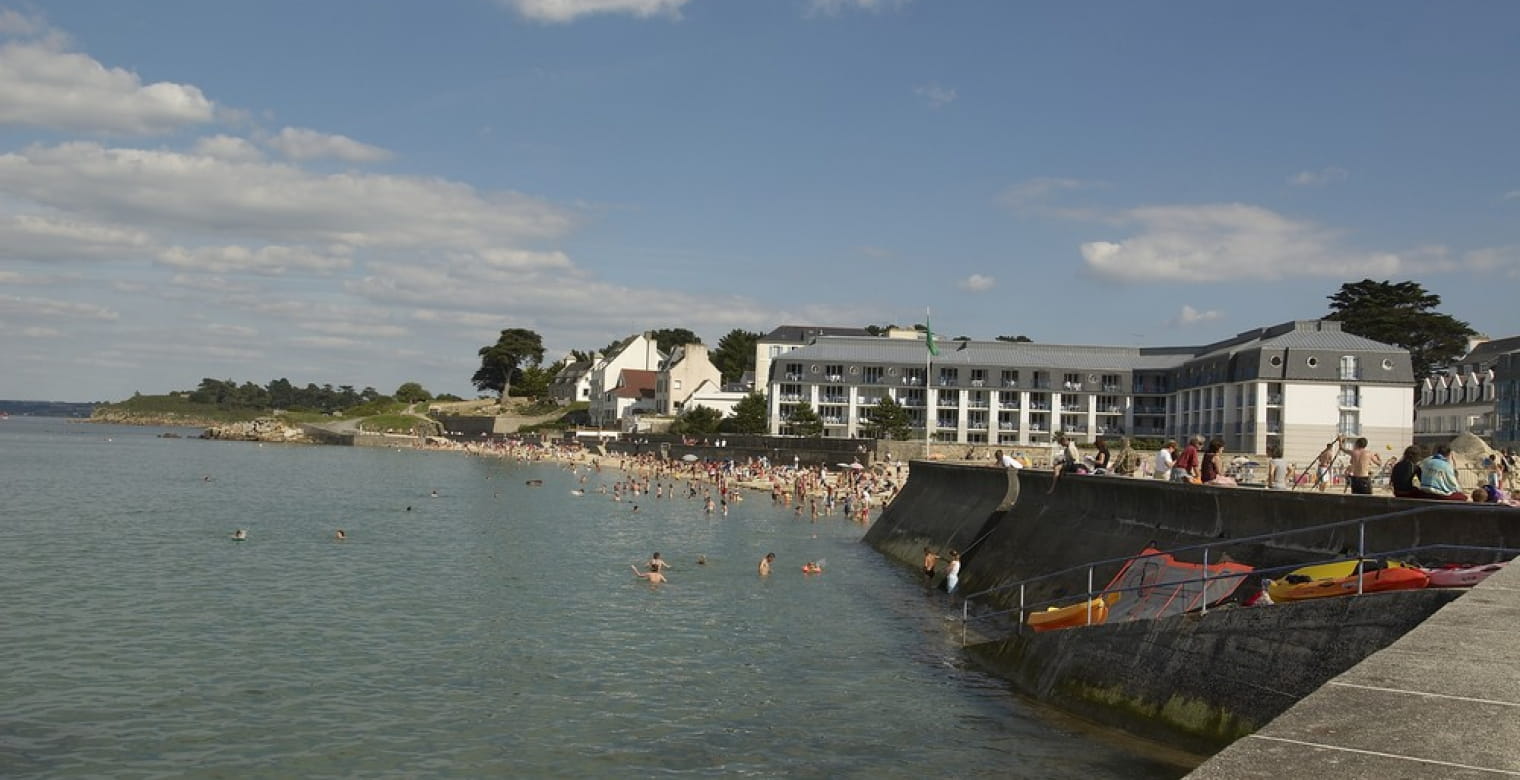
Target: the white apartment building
pixel 1296 385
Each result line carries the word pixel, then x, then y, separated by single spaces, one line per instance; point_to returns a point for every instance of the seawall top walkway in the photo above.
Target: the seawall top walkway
pixel 1442 701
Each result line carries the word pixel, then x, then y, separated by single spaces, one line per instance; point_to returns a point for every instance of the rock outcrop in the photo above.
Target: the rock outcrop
pixel 263 429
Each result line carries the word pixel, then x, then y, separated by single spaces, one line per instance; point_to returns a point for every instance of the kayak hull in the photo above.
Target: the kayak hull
pixel 1069 616
pixel 1460 576
pixel 1379 581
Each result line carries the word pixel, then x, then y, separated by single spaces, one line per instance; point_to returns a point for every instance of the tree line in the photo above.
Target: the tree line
pixel 283 394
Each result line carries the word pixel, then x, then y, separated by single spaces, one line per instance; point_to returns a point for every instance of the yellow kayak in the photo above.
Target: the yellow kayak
pixel 1286 588
pixel 1073 615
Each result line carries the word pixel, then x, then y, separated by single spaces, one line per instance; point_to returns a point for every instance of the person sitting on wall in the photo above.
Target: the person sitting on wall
pixel 1185 467
pixel 1438 479
pixel 1405 477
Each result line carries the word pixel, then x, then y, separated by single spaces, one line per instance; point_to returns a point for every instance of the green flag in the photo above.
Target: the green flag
pixel 929 338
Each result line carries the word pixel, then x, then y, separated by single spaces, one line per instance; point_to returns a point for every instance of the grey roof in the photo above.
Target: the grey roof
pixel 572 372
pixel 1489 351
pixel 1299 334
pixel 873 349
pixel 802 333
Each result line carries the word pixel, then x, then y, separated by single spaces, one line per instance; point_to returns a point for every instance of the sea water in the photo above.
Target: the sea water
pixel 493 629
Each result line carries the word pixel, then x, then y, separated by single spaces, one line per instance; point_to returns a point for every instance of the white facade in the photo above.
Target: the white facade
pixel 1295 385
pixel 636 352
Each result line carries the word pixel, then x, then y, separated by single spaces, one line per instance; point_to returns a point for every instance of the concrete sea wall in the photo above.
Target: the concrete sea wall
pixel 1197 681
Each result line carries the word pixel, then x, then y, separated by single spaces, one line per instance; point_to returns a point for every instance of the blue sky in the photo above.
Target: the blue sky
pixel 365 193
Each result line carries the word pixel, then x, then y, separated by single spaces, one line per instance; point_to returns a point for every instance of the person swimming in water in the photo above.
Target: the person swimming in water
pixel 811 568
pixel 239 535
pixel 340 536
pixel 765 564
pixel 654 575
pixel 434 494
pixel 656 563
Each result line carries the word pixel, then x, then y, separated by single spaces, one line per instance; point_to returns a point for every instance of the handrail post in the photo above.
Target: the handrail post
pixel 1361 555
pixel 965 613
pixel 1204 610
pixel 1021 608
pixel 1089 594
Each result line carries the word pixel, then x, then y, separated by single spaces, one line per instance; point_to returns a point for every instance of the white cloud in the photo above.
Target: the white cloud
pixel 1192 316
pixel 44 85
pixel 298 143
pixel 16 23
pixel 211 284
pixel 27 237
pixel 977 283
pixel 561 11
pixel 1319 178
pixel 169 191
pixel 228 148
pixel 836 7
pixel 272 260
pixel 16 306
pixel 222 330
pixel 367 330
pixel 936 95
pixel 38 332
pixel 1227 242
pixel 1033 197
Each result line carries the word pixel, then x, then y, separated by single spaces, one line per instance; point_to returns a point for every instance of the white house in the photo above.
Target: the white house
pixel 638 353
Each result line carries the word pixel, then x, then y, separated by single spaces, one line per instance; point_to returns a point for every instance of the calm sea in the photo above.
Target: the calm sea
pixel 495 629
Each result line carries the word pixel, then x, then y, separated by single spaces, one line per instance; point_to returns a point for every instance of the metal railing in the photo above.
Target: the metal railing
pixel 1205 578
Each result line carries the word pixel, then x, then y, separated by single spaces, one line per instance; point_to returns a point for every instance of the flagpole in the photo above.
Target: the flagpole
pixel 928 361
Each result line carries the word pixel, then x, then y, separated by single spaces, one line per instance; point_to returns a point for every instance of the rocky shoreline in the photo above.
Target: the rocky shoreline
pixel 263 429
pixel 166 419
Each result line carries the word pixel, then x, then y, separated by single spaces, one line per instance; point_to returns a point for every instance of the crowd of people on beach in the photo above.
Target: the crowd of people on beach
pixel 1415 474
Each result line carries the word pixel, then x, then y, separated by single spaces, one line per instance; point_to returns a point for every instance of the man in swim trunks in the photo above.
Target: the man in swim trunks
pixel 1362 462
pixel 930 559
pixel 765 563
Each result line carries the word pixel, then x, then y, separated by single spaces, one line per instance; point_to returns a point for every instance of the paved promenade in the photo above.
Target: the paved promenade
pixel 1443 701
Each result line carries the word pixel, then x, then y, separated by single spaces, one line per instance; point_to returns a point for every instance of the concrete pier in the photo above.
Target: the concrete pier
pixel 1441 701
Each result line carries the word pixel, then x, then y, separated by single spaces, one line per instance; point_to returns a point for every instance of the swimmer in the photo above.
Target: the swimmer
pixel 577 492
pixel 653 575
pixel 435 494
pixel 656 563
pixel 408 507
pixel 765 564
pixel 239 535
pixel 811 568
pixel 701 560
pixel 340 536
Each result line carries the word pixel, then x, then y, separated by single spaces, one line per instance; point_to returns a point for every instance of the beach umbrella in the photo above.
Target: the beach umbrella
pixel 688 457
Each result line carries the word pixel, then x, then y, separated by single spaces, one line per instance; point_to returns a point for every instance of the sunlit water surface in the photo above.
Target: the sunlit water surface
pixel 494 629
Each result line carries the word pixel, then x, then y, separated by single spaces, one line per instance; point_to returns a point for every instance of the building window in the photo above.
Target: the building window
pixel 794 371
pixel 834 373
pixel 872 375
pixel 1071 382
pixel 1312 362
pixel 978 377
pixel 1010 379
pixel 949 377
pixel 1349 369
pixel 1350 396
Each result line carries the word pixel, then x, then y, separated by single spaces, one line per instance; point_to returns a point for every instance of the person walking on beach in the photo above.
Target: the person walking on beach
pixel 1363 461
pixel 765 563
pixel 1277 468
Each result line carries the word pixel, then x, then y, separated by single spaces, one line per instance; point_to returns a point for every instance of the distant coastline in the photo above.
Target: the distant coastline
pixel 48 408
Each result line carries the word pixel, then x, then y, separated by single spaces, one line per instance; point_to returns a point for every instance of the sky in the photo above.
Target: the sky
pixel 363 193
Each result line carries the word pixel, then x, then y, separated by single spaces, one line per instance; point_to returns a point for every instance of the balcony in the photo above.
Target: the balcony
pixel 977 405
pixel 833 399
pixel 978 382
pixel 1010 383
pixel 1009 405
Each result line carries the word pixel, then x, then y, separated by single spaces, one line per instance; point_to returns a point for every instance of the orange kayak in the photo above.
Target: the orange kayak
pixel 1371 582
pixel 1070 616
